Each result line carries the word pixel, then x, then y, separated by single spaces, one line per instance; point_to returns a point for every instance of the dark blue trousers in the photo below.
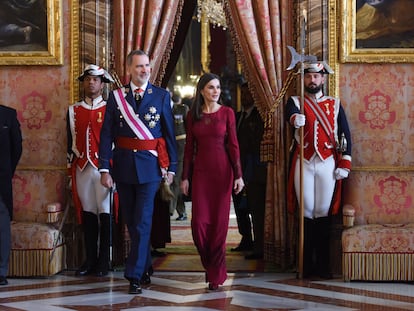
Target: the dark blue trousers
pixel 137 205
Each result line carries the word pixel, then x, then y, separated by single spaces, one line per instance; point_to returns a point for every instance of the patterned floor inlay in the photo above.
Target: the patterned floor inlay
pixel 185 291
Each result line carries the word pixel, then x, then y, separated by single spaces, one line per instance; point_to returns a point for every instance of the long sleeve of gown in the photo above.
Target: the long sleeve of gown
pixel 233 145
pixel 189 148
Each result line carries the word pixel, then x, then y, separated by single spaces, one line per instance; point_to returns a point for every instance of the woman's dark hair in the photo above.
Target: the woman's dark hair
pixel 197 106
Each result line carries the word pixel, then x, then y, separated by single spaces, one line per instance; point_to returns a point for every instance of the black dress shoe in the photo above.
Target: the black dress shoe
pixel 101 272
pixel 254 256
pixel 134 287
pixel 181 217
pixel 155 253
pixel 242 248
pixel 325 275
pixel 150 270
pixel 145 279
pixel 85 270
pixel 3 280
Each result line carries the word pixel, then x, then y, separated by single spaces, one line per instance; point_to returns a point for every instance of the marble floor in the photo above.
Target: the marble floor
pixel 183 288
pixel 182 291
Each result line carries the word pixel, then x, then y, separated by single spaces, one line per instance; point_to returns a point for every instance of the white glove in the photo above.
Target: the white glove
pixel 341 173
pixel 299 120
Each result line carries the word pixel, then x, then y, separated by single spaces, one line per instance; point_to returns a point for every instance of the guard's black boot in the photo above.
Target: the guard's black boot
pixel 308 247
pixel 322 229
pixel 104 245
pixel 90 233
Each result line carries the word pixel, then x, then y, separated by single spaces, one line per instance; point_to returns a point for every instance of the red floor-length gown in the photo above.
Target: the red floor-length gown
pixel 212 158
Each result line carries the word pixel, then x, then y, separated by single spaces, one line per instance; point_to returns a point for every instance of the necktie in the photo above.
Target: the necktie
pixel 138 95
pixel 244 114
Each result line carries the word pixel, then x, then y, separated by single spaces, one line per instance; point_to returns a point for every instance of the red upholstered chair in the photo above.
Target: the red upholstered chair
pixel 377 245
pixel 37 246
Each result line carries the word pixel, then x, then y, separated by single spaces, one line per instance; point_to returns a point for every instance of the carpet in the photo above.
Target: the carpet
pixel 181 254
pixel 186 258
pixel 181 235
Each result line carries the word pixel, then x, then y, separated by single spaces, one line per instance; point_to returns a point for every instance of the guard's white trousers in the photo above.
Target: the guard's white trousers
pixel 318 185
pixel 93 196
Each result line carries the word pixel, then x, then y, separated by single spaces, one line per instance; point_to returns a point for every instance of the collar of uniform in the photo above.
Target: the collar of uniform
pixel 316 96
pixel 93 102
pixel 142 87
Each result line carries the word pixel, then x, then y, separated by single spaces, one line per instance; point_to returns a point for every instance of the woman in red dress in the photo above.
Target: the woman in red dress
pixel 212 158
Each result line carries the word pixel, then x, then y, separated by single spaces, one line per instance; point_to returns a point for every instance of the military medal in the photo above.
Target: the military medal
pixel 327 109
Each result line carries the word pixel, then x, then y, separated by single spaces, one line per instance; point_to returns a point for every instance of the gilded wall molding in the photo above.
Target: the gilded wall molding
pixel 383 169
pixel 74 63
pixel 333 48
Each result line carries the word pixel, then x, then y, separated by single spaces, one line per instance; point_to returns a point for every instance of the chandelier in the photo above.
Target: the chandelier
pixel 213 11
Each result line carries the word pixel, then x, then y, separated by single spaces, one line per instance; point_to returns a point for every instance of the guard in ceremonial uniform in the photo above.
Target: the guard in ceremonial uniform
pixel 180 113
pixel 139 122
pixel 91 199
pixel 327 160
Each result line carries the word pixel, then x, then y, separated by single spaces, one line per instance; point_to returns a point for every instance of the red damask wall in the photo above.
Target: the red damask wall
pixel 378 99
pixel 379 102
pixel 41 95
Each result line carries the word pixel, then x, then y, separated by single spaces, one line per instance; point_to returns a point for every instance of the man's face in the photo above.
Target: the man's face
pixel 246 97
pixel 313 82
pixel 140 69
pixel 93 86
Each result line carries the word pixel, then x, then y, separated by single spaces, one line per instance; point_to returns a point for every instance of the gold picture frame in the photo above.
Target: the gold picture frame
pixel 369 34
pixel 34 33
pixel 75 47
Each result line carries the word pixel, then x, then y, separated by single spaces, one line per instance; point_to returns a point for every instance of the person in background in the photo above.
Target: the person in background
pixel 139 122
pixel 180 113
pixel 327 160
pixel 91 199
pixel 251 201
pixel 11 151
pixel 188 101
pixel 212 155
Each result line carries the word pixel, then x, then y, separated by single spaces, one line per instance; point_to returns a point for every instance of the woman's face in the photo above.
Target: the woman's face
pixel 211 91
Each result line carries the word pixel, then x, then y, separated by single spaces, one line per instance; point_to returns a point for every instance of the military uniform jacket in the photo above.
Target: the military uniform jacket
pixel 138 166
pixel 180 112
pixel 84 128
pixel 325 124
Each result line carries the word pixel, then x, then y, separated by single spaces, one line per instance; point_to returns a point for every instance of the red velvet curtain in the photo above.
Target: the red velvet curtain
pixel 149 25
pixel 259 32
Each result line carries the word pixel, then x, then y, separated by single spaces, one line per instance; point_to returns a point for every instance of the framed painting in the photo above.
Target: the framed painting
pixel 30 32
pixel 375 31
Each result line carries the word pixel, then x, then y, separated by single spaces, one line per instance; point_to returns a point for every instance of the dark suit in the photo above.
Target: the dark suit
pixel 252 200
pixel 11 150
pixel 137 173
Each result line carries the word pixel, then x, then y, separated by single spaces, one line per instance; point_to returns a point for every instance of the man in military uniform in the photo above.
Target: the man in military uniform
pixel 139 122
pixel 325 164
pixel 85 119
pixel 180 113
